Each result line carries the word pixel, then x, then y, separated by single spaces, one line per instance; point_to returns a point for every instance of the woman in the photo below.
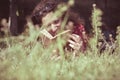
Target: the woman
pixel 45 10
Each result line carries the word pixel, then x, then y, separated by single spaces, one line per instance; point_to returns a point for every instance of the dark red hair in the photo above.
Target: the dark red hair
pixel 47 6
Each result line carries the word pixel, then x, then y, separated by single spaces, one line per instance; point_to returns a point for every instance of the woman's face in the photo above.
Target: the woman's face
pixel 51 20
pixel 47 17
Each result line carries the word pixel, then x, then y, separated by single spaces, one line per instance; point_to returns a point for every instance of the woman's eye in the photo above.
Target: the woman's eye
pixel 56 21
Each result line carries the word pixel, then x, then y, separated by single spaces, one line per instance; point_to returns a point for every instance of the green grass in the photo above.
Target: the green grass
pixel 25 58
pixel 18 66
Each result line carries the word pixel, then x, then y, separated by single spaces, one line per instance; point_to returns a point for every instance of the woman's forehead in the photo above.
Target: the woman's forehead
pixel 50 17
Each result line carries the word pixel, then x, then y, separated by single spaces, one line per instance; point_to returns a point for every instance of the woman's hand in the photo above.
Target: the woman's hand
pixel 75 42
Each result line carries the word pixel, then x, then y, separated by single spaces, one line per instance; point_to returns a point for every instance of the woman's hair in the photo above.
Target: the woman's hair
pixel 47 6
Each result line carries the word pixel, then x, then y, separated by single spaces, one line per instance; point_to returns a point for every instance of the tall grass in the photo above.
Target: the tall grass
pixel 26 58
pixel 96 23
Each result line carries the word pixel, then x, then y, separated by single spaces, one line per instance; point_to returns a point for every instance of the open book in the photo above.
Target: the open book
pixel 48 35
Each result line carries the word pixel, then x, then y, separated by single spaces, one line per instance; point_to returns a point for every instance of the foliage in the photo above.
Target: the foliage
pixel 25 57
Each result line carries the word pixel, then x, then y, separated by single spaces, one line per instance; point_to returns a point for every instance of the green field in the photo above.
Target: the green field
pixel 25 58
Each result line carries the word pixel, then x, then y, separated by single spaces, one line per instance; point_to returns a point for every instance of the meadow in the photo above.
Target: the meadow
pixel 24 57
